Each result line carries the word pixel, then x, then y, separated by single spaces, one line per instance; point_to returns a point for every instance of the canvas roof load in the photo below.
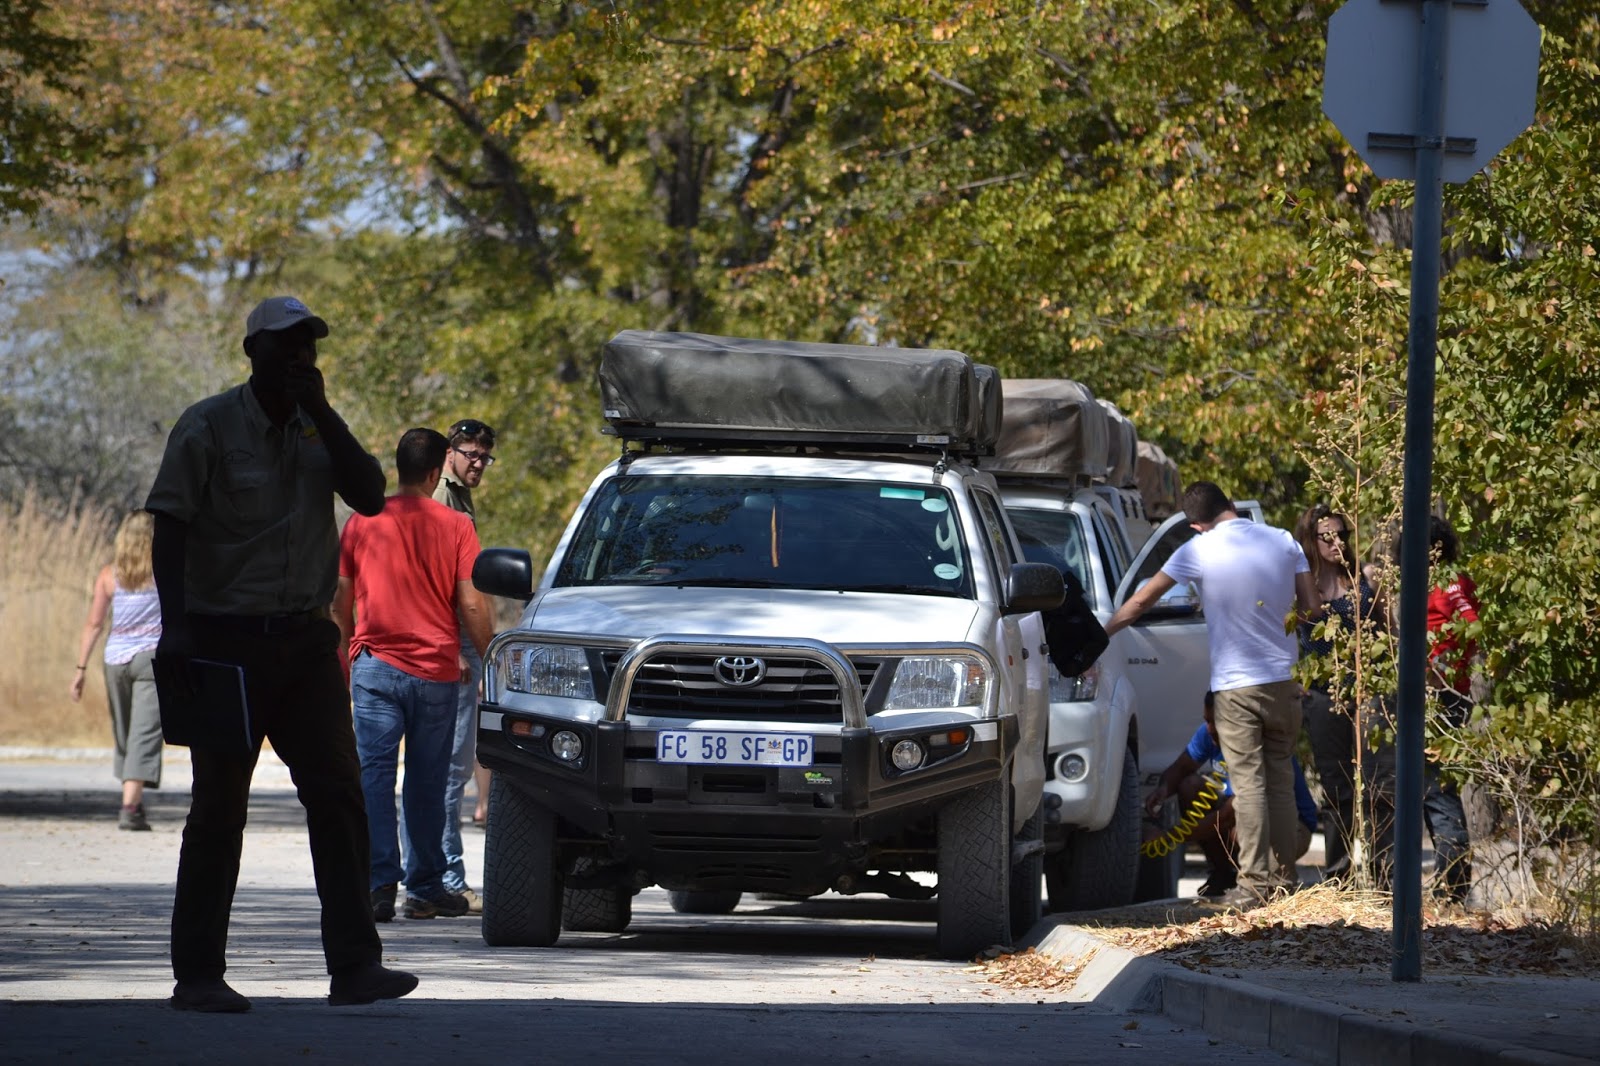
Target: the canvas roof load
pixel 694 386
pixel 1053 428
pixel 1122 447
pixel 1158 480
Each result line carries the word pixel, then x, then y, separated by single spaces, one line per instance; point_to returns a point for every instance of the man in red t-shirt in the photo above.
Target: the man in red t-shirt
pixel 405 577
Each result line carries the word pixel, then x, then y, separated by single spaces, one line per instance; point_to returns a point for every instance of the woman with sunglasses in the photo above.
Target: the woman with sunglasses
pixel 1324 535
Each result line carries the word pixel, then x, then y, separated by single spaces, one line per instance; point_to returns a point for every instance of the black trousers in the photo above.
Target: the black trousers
pixel 300 702
pixel 1333 746
pixel 1442 812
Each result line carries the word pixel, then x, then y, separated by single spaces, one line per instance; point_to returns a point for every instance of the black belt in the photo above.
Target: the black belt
pixel 267 625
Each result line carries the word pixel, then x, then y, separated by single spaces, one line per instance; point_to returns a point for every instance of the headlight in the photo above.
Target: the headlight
pixel 1073 689
pixel 906 755
pixel 543 670
pixel 937 681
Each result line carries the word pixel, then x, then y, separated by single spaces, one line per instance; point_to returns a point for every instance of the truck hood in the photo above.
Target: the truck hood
pixel 839 618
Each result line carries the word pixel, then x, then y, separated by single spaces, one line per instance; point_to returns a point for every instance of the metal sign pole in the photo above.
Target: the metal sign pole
pixel 1416 502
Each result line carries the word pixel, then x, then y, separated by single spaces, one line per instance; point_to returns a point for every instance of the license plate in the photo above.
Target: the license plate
pixel 734 749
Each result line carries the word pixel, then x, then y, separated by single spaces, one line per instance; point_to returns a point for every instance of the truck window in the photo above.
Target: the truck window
pixel 1162 551
pixel 769 533
pixel 1055 537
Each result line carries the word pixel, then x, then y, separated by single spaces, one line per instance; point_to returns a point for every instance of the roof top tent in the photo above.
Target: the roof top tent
pixel 1053 428
pixel 1158 480
pixel 683 387
pixel 1122 444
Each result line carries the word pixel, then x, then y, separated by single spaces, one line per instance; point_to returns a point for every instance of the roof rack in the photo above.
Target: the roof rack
pixel 698 389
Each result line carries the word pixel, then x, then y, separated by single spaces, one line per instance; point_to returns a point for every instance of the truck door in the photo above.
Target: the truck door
pixel 1022 637
pixel 1166 658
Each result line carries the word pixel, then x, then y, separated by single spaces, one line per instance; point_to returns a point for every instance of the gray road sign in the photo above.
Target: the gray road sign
pixel 1370 82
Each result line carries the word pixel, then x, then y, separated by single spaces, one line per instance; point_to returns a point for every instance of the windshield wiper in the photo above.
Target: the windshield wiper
pixel 914 590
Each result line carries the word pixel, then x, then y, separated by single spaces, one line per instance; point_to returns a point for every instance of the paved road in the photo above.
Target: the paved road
pixel 83 972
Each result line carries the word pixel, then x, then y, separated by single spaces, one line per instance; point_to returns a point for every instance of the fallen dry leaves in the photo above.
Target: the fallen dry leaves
pixel 1029 969
pixel 1328 927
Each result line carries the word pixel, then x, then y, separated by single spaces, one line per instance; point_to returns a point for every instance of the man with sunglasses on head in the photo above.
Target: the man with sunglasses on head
pixel 246 557
pixel 471 453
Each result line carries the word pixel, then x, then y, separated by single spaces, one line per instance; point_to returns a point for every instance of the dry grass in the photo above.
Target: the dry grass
pixel 47 568
pixel 1329 927
pixel 1322 927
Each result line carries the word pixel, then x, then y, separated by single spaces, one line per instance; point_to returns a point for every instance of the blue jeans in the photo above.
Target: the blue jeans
pixel 463 754
pixel 390 704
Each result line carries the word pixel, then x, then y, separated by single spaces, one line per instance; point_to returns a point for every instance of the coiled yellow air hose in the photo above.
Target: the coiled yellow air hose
pixel 1204 800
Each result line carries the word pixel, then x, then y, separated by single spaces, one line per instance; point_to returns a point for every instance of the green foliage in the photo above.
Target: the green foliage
pixel 1141 195
pixel 39 146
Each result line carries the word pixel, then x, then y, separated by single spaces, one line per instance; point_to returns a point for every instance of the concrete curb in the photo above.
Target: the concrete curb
pixel 1230 1008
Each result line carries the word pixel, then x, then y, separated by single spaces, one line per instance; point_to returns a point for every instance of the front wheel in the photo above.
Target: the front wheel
pixel 1100 868
pixel 521 874
pixel 596 910
pixel 974 868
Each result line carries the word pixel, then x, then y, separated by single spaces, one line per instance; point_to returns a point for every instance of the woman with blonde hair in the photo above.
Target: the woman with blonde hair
pixel 127 589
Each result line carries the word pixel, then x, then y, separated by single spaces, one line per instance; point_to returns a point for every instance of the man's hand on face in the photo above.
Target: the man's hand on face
pixel 303 382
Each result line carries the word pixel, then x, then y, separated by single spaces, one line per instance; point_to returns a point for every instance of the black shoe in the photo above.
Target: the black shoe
pixel 133 818
pixel 368 984
pixel 383 903
pixel 1216 884
pixel 208 997
pixel 444 905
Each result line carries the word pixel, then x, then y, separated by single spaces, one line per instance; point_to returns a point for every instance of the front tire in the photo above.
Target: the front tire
pixel 521 872
pixel 596 910
pixel 1100 869
pixel 974 868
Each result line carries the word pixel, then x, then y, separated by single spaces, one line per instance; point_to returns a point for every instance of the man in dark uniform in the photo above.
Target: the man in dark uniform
pixel 246 559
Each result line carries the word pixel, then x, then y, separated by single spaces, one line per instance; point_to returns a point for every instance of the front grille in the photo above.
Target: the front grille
pixel 685 686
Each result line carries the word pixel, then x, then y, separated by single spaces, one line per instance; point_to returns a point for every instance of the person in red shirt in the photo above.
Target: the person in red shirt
pixel 1449 654
pixel 1450 677
pixel 405 578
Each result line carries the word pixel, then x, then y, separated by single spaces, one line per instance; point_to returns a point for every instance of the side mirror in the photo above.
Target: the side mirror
pixel 1034 587
pixel 504 572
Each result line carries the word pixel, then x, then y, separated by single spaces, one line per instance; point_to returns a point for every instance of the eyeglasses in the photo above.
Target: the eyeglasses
pixel 1330 536
pixel 475 457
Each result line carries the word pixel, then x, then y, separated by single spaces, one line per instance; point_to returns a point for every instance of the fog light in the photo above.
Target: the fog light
pixel 907 755
pixel 1073 767
pixel 566 745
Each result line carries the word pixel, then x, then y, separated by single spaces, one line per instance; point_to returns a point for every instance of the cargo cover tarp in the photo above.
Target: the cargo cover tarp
pixel 1122 446
pixel 1052 428
pixel 1158 480
pixel 778 389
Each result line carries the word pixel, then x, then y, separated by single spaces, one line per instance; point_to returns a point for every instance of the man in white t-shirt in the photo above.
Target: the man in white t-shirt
pixel 1255 584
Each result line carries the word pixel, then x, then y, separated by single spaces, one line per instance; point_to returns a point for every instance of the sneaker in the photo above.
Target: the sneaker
pixel 208 997
pixel 474 901
pixel 133 818
pixel 445 905
pixel 1217 883
pixel 368 984
pixel 383 903
pixel 1239 898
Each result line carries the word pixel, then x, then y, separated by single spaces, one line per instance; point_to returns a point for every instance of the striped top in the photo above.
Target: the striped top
pixel 135 624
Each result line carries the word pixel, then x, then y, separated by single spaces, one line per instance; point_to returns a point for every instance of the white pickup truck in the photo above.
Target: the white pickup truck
pixel 789 643
pixel 1067 478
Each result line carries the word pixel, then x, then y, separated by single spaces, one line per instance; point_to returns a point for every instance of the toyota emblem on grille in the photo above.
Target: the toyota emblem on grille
pixel 739 671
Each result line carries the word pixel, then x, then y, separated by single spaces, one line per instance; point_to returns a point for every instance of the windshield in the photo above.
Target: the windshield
pixel 765 532
pixel 1055 537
